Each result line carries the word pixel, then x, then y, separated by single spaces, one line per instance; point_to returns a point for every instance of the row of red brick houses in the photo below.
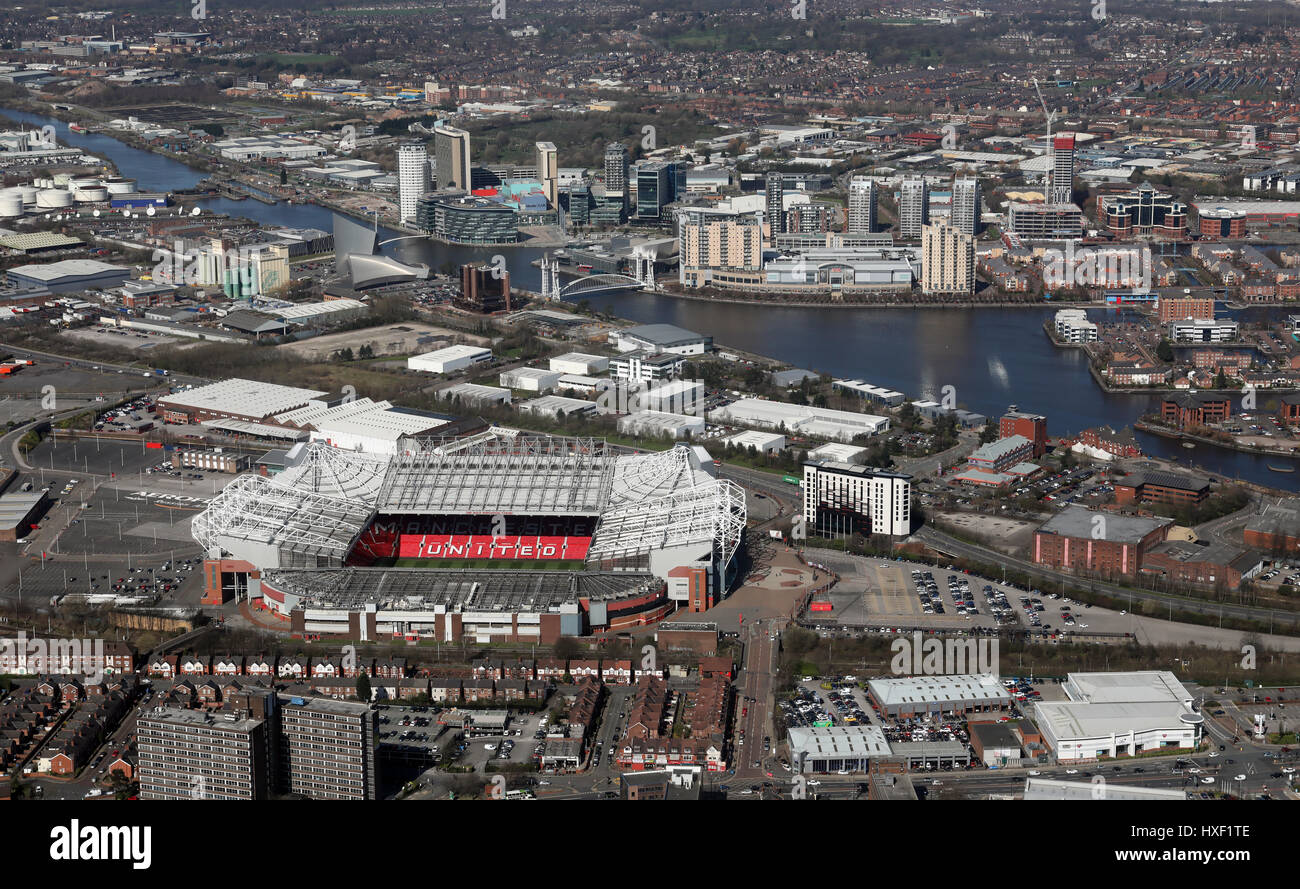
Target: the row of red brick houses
pixel 611 671
pixel 652 738
pixel 90 718
pixel 23 718
pixel 262 666
pixel 213 691
pixel 40 656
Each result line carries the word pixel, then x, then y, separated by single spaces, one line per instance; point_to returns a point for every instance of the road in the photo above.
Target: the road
pixel 754 699
pixel 90 364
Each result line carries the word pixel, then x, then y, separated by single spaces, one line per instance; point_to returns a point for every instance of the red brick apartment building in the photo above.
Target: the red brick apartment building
pixel 1031 426
pixel 1162 487
pixel 1215 564
pixel 1180 308
pixel 1109 544
pixel 1289 410
pixel 1185 409
pixel 1122 443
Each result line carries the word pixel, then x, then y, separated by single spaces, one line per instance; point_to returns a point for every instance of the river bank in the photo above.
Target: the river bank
pixel 785 300
pixel 1291 453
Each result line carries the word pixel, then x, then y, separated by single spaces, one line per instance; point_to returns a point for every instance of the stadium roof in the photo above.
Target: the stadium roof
pixel 477 590
pixel 303 527
pixel 668 499
pixel 314 510
pixel 323 469
pixel 526 476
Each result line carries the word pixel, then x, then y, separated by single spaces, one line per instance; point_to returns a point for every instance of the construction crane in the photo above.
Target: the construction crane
pixel 1051 118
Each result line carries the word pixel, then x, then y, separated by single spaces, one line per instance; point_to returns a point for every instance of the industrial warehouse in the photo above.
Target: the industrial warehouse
pixel 370 544
pixel 1119 714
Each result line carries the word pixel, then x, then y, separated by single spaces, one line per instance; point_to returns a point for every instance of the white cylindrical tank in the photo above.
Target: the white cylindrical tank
pixel 29 193
pixel 11 204
pixel 84 181
pixel 53 198
pixel 120 186
pixel 91 195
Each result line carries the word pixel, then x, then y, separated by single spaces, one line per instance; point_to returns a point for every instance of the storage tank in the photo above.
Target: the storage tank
pixel 29 193
pixel 53 198
pixel 84 181
pixel 11 203
pixel 120 186
pixel 91 195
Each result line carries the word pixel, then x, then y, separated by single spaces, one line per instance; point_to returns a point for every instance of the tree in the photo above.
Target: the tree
pixel 363 686
pixel 989 432
pixel 1165 351
pixel 284 176
pixel 566 647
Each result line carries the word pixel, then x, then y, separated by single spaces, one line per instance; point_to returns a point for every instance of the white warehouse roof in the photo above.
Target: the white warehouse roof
pixel 938 689
pixel 243 397
pixel 1136 686
pixel 842 425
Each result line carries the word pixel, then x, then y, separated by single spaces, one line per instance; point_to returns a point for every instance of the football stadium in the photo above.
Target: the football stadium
pixel 501 536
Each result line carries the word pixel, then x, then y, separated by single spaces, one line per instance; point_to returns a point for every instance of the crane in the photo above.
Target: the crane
pixel 1051 117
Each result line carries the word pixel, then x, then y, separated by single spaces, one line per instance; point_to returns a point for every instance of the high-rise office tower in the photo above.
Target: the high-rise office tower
pixel 328 748
pixel 913 207
pixel 1061 176
pixel 616 168
pixel 656 183
pixel 451 151
pixel 862 206
pixel 948 260
pixel 548 172
pixel 966 196
pixel 412 177
pixel 774 189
